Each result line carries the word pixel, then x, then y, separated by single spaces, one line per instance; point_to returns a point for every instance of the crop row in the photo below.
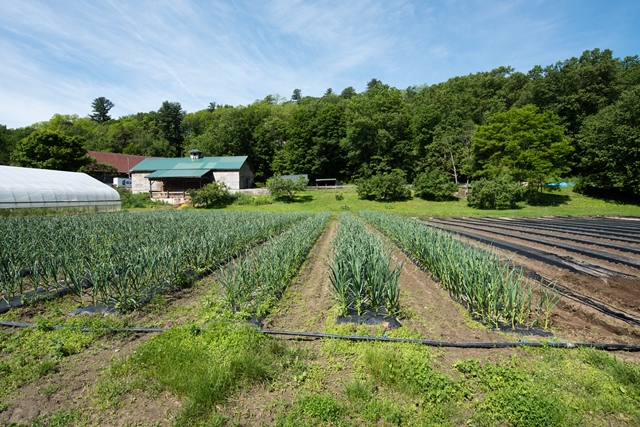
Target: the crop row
pixel 362 274
pixel 481 280
pixel 122 259
pixel 252 283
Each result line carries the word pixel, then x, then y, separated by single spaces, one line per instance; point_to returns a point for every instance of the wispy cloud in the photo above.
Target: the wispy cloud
pixel 56 58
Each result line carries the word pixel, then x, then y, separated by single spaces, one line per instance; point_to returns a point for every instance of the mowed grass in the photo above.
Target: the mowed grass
pixel 557 203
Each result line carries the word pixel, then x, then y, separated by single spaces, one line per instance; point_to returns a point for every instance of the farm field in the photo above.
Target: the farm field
pixel 213 368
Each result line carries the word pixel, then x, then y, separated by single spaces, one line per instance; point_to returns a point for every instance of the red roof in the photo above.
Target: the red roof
pixel 122 162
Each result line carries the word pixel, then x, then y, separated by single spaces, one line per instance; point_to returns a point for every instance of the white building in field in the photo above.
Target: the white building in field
pixel 170 179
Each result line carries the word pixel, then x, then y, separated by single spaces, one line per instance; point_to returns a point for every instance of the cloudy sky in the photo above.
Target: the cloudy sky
pixel 57 56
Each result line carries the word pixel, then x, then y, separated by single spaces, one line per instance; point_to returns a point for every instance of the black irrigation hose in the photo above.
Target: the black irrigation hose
pixel 74 328
pixel 531 232
pixel 581 298
pixel 521 343
pixel 433 343
pixel 577 297
pixel 593 253
pixel 565 228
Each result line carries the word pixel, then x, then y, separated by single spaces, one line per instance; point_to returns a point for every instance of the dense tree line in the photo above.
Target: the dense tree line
pixel 577 117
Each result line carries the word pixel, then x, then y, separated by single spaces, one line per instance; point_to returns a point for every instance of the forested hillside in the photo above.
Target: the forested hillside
pixel 469 127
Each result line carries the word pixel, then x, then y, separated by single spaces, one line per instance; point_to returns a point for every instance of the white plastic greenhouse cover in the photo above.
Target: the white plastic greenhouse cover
pixel 42 188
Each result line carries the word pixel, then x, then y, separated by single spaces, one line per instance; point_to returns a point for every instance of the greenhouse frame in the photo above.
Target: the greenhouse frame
pixel 26 188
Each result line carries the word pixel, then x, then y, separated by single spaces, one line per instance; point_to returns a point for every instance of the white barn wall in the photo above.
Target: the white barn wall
pixel 231 178
pixel 140 184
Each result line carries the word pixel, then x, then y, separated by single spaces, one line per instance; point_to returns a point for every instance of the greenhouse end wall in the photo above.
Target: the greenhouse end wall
pixel 36 189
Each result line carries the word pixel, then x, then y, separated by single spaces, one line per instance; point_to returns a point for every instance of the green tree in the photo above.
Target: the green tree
pixel 378 133
pixel 6 145
pixel 296 156
pixel 50 149
pixel 100 108
pixel 527 145
pixel 170 117
pixel 610 145
pixel 500 192
pixel 384 187
pixel 348 92
pixel 214 195
pixel 282 188
pixel 434 185
pixel 575 88
pixel 296 95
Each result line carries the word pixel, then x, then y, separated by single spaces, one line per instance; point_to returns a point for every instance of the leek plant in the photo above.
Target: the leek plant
pixel 362 274
pixel 254 281
pixel 480 280
pixel 123 259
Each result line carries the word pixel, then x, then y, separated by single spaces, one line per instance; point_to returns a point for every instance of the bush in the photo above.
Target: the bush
pixel 434 185
pixel 281 188
pixel 497 193
pixel 214 195
pixel 253 200
pixel 384 187
pixel 138 200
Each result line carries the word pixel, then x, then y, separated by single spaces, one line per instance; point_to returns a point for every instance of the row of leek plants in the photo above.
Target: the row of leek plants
pixel 479 279
pixel 363 276
pixel 251 284
pixel 123 259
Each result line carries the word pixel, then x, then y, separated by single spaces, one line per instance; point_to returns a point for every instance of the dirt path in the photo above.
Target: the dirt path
pixel 306 303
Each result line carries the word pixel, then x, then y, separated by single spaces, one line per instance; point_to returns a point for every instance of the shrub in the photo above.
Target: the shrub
pixel 500 192
pixel 281 188
pixel 253 200
pixel 214 195
pixel 138 200
pixel 434 185
pixel 384 187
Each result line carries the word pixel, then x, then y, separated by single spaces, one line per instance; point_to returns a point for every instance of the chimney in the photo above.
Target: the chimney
pixel 195 154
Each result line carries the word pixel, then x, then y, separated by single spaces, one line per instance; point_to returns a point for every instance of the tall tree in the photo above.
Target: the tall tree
pixel 170 117
pixel 50 149
pixel 348 92
pixel 378 133
pixel 610 146
pixel 100 107
pixel 5 145
pixel 528 145
pixel 296 95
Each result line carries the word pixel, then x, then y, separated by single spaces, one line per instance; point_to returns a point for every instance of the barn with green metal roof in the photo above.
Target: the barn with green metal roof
pixel 172 178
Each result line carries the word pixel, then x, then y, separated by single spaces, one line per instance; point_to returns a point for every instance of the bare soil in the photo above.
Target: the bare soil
pixel 574 321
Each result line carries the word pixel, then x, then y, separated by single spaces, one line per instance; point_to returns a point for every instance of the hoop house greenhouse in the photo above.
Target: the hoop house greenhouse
pixel 25 188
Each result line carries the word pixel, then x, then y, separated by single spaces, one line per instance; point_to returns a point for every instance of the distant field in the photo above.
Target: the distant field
pixel 563 202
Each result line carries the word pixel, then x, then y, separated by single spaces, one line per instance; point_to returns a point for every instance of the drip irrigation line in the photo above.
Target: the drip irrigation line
pixel 521 343
pixel 81 329
pixel 584 231
pixel 529 232
pixel 593 253
pixel 432 343
pixel 581 298
pixel 574 296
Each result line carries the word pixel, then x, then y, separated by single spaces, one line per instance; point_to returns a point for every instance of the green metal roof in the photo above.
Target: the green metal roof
pixel 185 163
pixel 177 173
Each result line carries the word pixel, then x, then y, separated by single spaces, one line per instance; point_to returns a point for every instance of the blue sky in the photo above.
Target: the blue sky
pixel 57 56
